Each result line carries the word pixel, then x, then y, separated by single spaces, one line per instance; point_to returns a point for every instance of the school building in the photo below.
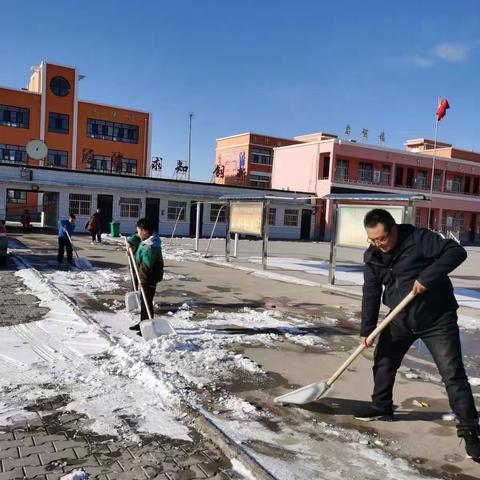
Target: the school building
pixel 332 165
pixel 98 157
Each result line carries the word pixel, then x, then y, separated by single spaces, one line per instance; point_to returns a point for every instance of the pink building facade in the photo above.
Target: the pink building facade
pixel 337 166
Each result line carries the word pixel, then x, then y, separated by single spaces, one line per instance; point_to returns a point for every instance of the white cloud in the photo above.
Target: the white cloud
pixel 420 60
pixel 450 52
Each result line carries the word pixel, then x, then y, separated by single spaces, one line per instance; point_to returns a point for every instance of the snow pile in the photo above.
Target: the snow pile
pixel 89 282
pixel 76 475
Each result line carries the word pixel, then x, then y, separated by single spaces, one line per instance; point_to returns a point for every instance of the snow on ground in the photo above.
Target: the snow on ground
pixel 87 281
pixel 63 354
pixel 146 382
pixel 317 450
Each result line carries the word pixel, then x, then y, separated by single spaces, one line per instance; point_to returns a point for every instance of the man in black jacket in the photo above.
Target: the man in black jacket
pixel 402 258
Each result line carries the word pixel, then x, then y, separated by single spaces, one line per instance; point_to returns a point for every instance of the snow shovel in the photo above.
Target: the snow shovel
pixel 153 327
pixel 315 391
pixel 81 263
pixel 132 299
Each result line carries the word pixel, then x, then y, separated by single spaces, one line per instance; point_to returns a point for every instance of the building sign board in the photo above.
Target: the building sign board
pixel 350 229
pixel 246 218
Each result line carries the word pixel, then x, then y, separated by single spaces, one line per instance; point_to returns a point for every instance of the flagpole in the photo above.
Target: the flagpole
pixel 433 172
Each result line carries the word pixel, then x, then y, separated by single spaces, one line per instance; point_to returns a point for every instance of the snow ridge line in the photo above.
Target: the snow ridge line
pixel 204 423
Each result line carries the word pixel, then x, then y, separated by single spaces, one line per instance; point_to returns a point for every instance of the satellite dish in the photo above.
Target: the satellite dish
pixel 36 149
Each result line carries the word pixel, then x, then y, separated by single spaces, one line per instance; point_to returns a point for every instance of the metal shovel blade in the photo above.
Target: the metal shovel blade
pixel 83 264
pixel 155 328
pixel 303 395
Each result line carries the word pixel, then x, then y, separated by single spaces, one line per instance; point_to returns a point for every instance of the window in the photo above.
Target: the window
pixel 365 172
pixel 214 209
pixel 103 164
pixel 410 175
pixel 13 154
pixel 115 132
pixel 17 117
pixel 261 157
pixel 129 166
pixel 58 122
pixel 457 183
pixel 421 180
pixel 272 214
pixel 16 196
pixel 80 204
pixel 262 181
pixel 290 218
pixel 59 86
pixel 176 210
pixel 326 166
pixel 130 207
pixel 57 158
pixel 341 172
pixel 398 176
pixel 458 222
pixel 437 182
pixel 385 175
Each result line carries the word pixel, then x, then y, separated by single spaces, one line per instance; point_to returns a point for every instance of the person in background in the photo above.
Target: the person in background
pixel 147 249
pixel 25 220
pixel 65 226
pixel 94 226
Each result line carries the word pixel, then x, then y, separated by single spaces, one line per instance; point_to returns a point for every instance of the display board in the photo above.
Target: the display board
pixel 350 229
pixel 246 218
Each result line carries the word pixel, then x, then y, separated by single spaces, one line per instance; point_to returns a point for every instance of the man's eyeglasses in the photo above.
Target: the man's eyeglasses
pixel 379 241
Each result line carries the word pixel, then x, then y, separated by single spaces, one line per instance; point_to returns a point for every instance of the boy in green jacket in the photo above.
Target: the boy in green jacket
pixel 147 249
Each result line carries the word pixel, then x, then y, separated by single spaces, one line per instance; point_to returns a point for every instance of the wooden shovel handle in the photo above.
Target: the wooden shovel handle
pixel 127 245
pixel 142 290
pixel 381 326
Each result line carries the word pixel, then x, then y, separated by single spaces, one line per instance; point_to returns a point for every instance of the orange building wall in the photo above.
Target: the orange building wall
pixel 21 136
pixel 56 104
pixel 135 151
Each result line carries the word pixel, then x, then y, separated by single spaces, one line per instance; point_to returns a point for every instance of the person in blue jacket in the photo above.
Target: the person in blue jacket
pixel 63 241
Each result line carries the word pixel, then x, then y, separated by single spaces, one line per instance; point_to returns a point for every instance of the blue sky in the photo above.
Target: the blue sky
pixel 272 66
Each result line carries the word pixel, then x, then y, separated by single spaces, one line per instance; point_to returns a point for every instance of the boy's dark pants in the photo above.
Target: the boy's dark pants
pixel 64 243
pixel 443 341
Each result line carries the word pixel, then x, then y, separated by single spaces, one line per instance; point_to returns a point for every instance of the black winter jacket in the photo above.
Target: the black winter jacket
pixel 421 255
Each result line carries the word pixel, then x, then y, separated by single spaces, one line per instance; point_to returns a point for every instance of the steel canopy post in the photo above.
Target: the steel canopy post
pixel 265 234
pixel 333 245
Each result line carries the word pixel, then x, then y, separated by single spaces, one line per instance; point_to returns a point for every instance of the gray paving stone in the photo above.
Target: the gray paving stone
pixel 11 463
pixel 16 474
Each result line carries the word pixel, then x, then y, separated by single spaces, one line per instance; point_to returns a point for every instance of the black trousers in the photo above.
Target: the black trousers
pixel 64 243
pixel 96 236
pixel 443 341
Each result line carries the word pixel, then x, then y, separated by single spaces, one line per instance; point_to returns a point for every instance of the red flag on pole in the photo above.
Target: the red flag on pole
pixel 442 108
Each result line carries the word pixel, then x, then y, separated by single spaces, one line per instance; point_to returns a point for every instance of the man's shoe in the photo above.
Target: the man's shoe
pixel 135 327
pixel 472 444
pixel 369 413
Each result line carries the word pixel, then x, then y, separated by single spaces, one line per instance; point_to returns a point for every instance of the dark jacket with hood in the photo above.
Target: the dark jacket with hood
pixel 419 254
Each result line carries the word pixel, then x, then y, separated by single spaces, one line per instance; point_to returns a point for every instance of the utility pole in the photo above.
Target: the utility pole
pixel 190 115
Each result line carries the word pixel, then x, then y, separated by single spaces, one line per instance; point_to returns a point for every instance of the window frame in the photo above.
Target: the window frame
pixel 214 208
pixel 17 151
pixel 292 216
pixel 272 216
pixel 17 199
pixel 64 119
pixel 173 210
pixel 110 131
pixel 56 154
pixel 80 204
pixel 25 116
pixel 130 207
